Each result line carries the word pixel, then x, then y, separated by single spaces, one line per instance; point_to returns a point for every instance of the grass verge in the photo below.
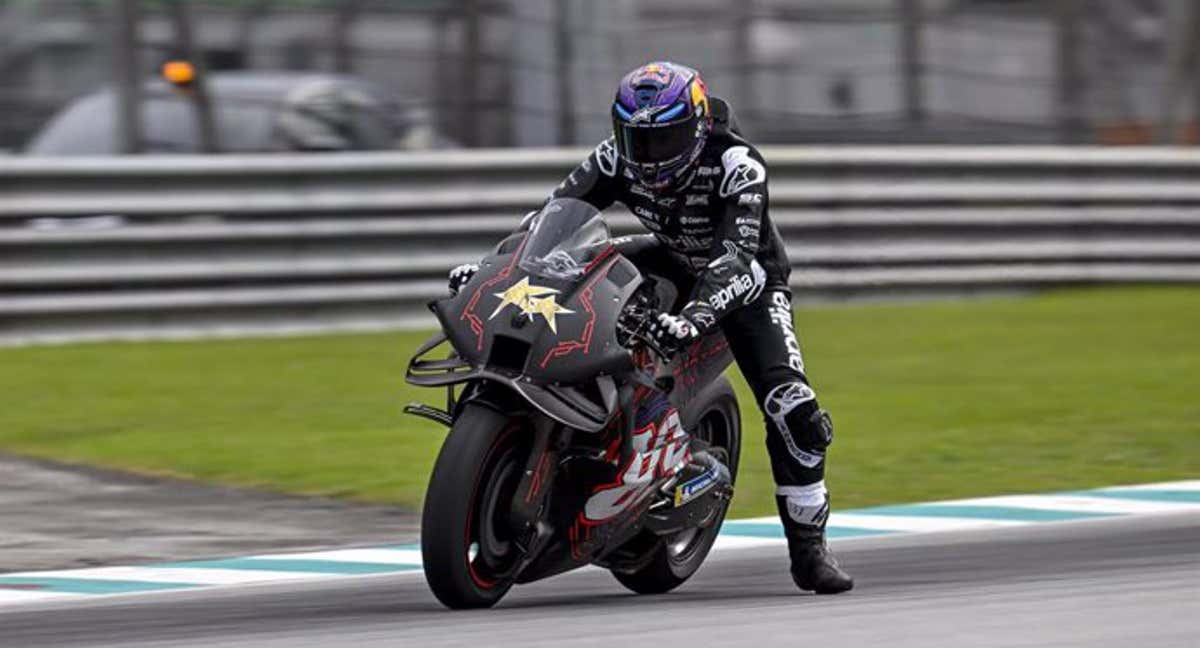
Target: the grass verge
pixel 1062 390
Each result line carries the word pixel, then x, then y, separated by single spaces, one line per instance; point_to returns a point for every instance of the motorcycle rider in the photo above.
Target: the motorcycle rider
pixel 678 162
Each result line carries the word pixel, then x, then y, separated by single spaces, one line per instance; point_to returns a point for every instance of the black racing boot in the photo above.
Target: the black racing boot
pixel 804 510
pixel 813 567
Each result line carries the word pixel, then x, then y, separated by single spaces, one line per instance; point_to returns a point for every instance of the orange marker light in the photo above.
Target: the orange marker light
pixel 179 73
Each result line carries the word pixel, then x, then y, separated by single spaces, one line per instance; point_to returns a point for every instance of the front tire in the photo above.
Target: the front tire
pixel 466 546
pixel 673 560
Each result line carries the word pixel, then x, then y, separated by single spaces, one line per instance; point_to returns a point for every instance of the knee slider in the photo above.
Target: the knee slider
pixel 819 429
pixel 806 430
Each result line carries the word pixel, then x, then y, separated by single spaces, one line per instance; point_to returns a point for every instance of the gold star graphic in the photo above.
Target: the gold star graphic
pixel 548 308
pixel 531 300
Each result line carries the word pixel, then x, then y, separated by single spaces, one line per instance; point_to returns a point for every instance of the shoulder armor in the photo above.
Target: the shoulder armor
pixel 606 157
pixel 741 171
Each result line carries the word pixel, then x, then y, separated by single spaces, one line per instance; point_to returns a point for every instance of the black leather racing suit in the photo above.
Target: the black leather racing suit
pixel 713 237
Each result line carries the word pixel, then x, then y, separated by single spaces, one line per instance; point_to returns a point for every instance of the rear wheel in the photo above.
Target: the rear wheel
pixel 467 547
pixel 675 558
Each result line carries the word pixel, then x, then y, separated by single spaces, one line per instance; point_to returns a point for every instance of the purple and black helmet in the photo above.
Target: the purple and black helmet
pixel 660 121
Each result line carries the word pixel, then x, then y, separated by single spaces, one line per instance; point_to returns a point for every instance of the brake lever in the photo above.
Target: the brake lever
pixel 652 345
pixel 640 314
pixel 635 334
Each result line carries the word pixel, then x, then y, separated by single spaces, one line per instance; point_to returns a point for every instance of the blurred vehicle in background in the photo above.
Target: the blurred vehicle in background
pixel 253 112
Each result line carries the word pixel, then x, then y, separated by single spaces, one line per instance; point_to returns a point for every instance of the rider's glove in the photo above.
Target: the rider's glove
pixel 461 275
pixel 672 332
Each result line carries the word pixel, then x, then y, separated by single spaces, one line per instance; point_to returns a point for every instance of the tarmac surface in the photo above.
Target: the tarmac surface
pixel 52 514
pixel 1098 583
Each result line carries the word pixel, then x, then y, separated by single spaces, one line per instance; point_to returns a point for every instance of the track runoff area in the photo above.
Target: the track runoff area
pixel 978 515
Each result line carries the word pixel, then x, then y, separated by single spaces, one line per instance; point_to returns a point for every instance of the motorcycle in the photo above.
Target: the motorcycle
pixel 573 439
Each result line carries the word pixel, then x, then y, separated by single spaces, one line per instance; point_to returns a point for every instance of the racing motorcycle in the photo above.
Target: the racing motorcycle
pixel 573 439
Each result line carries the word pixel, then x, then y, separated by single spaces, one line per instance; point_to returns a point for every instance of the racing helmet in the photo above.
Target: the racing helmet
pixel 661 120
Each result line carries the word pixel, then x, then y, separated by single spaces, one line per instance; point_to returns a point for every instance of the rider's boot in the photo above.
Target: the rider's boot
pixel 804 511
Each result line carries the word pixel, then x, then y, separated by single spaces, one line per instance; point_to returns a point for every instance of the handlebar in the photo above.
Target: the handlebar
pixel 631 324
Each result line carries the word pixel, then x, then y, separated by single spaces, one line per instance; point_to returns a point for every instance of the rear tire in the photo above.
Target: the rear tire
pixel 466 548
pixel 673 560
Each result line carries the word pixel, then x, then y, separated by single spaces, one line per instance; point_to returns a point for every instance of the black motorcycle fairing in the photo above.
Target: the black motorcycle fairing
pixel 583 409
pixel 555 366
pixel 580 541
pixel 697 367
pixel 574 340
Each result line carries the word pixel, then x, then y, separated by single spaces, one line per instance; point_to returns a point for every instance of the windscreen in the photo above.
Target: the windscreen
pixel 564 236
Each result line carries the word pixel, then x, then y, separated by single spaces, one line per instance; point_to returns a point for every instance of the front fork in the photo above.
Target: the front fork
pixel 531 501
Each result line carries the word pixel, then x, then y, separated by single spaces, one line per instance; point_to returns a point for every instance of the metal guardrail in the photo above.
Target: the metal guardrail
pixel 100 248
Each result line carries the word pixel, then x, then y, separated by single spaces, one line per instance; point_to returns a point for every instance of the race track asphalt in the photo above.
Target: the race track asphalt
pixel 1118 582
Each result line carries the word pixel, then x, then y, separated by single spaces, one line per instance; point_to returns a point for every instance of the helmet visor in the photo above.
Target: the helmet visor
pixel 654 143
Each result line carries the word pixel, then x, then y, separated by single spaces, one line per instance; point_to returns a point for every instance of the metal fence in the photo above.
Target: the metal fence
pixel 162 246
pixel 542 72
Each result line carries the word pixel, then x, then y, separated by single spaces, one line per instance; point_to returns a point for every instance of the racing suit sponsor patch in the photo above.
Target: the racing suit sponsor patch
pixel 685 243
pixel 747 284
pixel 780 310
pixel 644 213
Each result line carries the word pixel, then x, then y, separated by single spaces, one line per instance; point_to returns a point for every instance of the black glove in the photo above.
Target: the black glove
pixel 672 332
pixel 461 275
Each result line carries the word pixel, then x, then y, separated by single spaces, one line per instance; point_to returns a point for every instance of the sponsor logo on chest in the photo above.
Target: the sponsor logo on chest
pixel 650 219
pixel 685 243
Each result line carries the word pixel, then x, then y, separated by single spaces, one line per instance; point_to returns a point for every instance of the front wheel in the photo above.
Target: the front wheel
pixel 672 560
pixel 467 549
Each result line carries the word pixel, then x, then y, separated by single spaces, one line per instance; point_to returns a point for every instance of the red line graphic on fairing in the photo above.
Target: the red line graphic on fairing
pixel 690 362
pixel 585 339
pixel 469 312
pixel 539 476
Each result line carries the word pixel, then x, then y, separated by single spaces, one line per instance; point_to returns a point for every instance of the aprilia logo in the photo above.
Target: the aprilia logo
pixel 738 286
pixel 780 310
